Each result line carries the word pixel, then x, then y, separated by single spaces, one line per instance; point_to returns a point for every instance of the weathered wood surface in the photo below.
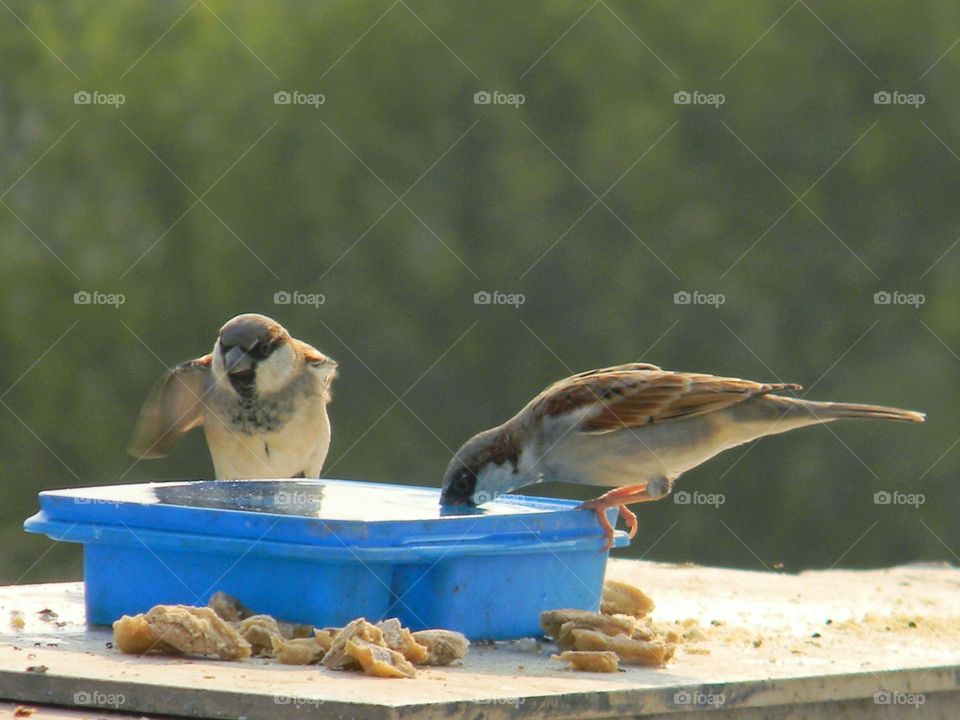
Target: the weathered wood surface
pixel 768 652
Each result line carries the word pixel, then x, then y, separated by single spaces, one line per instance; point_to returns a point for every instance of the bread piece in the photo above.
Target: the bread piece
pixel 197 631
pixel 621 598
pixel 133 634
pixel 553 620
pixel 359 629
pixel 396 637
pixel 299 651
pixel 443 646
pixel 379 661
pixel 630 651
pixel 587 661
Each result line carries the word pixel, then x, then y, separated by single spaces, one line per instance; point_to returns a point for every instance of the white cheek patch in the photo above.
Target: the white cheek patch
pixel 275 372
pixel 494 481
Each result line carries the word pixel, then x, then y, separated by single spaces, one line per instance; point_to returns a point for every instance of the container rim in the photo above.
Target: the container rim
pixel 104 507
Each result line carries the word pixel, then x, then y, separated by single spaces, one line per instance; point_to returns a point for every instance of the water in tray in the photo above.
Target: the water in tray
pixel 306 498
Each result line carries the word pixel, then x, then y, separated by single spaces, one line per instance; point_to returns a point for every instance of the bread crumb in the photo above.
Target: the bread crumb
pixel 590 661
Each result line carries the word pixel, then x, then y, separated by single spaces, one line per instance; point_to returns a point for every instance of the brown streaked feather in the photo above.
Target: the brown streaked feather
pixel 316 359
pixel 174 407
pixel 626 367
pixel 639 394
pixel 502 449
pixel 310 353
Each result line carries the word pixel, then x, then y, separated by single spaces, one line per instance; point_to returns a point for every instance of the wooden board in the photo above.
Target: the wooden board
pixel 770 642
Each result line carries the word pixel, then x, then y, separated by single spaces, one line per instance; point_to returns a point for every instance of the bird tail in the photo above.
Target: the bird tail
pixel 826 411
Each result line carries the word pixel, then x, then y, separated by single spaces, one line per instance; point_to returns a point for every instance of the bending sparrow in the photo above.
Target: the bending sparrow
pixel 633 426
pixel 261 397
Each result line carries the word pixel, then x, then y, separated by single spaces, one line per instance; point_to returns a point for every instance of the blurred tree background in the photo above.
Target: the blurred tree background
pixel 399 197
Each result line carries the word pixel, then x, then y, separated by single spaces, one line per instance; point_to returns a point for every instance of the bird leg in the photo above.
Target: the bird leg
pixel 619 497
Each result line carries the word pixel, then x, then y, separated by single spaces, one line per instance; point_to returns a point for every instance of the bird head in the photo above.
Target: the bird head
pixel 254 354
pixel 484 468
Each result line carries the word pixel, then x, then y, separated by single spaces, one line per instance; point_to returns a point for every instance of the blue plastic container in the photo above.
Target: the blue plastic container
pixel 327 551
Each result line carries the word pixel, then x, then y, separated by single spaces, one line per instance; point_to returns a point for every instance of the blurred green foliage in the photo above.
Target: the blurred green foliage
pixel 399 198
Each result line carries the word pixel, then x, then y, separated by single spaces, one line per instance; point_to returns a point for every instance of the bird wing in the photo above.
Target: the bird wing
pixel 174 406
pixel 312 355
pixel 324 367
pixel 637 394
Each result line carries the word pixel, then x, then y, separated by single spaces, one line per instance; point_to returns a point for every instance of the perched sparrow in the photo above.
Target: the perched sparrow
pixel 633 426
pixel 261 397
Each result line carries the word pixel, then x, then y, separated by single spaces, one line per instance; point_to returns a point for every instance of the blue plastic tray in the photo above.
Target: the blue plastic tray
pixel 327 551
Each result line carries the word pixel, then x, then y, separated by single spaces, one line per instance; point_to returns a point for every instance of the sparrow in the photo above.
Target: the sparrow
pixel 261 397
pixel 635 427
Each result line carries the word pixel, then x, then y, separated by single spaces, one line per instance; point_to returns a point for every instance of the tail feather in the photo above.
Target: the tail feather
pixel 836 410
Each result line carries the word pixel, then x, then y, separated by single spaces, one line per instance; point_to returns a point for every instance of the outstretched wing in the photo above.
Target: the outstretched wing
pixel 174 406
pixel 637 394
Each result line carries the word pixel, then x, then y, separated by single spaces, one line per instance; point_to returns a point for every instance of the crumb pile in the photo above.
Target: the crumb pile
pixel 226 629
pixel 620 632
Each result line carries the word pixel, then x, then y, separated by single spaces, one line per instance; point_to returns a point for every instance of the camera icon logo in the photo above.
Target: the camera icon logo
pixel 682 98
pixel 282 297
pixel 482 98
pixel 82 297
pixel 882 98
pixel 881 697
pixel 682 298
pixel 82 698
pixel 284 498
pixel 482 298
pixel 82 97
pixel 882 498
pixel 682 498
pixel 882 298
pixel 682 697
pixel 282 98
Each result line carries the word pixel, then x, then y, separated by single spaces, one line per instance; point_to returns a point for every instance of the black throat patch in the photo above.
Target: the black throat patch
pixel 245 383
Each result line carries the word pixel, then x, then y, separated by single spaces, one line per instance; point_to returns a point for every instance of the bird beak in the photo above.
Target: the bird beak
pixel 448 501
pixel 237 361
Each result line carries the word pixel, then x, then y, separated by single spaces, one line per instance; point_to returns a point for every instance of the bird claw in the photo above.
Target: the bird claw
pixel 600 508
pixel 631 519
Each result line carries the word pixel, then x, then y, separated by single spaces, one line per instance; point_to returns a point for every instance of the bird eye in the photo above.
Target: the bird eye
pixel 462 483
pixel 261 350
